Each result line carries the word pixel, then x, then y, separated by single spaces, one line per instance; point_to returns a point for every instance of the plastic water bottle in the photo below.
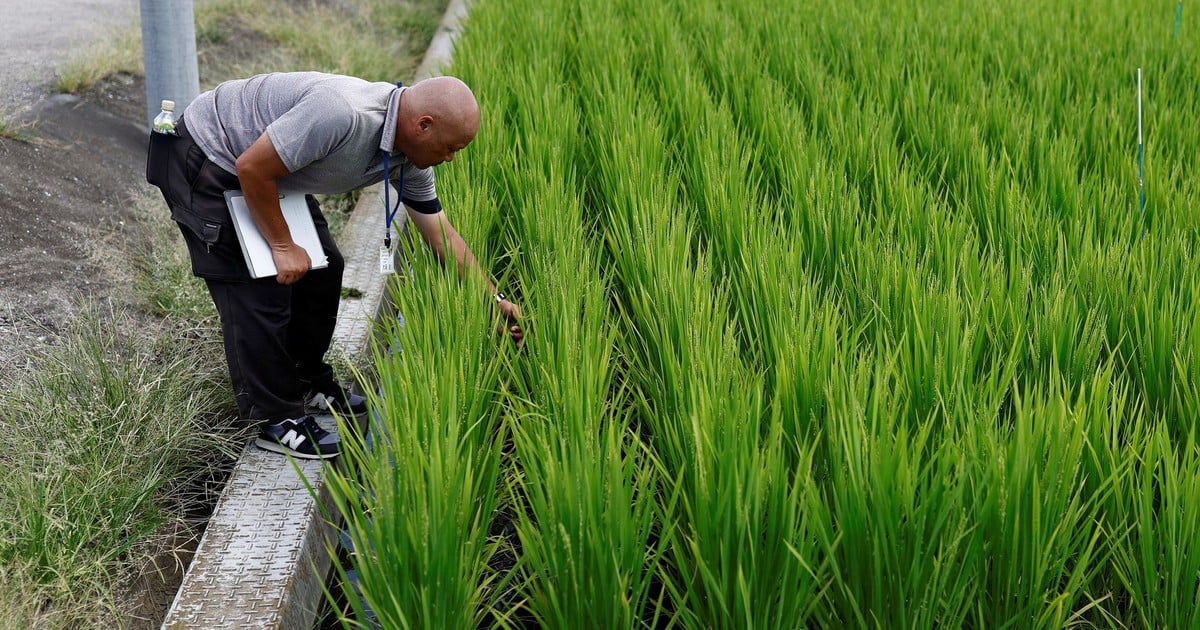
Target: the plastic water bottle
pixel 164 122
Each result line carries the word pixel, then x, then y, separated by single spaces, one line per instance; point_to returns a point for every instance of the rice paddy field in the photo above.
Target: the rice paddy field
pixel 839 314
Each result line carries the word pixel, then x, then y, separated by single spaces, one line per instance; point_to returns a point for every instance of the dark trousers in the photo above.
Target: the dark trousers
pixel 275 336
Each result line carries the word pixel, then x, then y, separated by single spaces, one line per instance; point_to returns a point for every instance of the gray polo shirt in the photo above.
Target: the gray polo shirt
pixel 329 130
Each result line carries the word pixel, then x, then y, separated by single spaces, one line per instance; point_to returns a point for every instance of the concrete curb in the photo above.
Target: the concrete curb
pixel 264 556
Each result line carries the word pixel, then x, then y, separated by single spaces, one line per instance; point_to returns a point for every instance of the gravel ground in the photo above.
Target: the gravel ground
pixel 66 180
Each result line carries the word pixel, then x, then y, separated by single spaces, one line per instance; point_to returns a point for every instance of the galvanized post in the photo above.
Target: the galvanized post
pixel 169 49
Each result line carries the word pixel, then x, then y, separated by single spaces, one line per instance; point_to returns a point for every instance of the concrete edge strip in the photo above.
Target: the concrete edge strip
pixel 264 556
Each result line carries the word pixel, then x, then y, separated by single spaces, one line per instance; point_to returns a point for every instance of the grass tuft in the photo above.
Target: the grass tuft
pixel 12 128
pixel 120 52
pixel 102 434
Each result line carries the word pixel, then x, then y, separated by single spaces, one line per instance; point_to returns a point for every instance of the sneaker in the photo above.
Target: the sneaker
pixel 335 399
pixel 302 438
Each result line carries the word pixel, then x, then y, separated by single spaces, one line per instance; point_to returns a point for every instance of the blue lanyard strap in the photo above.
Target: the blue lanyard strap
pixel 390 211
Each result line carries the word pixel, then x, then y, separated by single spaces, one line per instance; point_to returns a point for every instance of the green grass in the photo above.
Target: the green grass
pixel 120 52
pixel 848 321
pixel 105 434
pixel 11 128
pixel 371 39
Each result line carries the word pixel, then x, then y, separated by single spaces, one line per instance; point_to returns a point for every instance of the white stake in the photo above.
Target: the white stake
pixel 1139 109
pixel 1141 180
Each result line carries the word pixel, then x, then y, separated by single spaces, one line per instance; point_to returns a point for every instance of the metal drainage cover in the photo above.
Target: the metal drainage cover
pixel 264 554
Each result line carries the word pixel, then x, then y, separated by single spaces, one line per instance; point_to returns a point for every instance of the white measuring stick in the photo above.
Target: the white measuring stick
pixel 1141 179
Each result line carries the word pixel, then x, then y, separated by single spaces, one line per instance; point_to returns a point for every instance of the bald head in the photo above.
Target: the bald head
pixel 438 117
pixel 447 98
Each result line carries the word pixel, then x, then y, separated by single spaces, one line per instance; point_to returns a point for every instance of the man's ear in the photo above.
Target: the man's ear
pixel 425 122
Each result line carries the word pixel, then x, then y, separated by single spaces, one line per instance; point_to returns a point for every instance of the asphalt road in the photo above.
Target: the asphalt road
pixel 36 36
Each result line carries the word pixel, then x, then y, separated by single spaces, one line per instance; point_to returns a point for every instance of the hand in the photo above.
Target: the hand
pixel 292 262
pixel 511 313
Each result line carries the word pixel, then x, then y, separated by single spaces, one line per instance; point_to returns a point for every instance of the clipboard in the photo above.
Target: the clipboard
pixel 255 248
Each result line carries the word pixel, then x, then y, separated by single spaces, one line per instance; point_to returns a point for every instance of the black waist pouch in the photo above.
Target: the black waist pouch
pixel 157 156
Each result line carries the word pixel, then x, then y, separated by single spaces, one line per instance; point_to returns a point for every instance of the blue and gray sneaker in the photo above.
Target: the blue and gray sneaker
pixel 334 398
pixel 302 438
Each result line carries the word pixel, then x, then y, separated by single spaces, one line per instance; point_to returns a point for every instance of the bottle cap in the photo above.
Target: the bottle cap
pixel 168 105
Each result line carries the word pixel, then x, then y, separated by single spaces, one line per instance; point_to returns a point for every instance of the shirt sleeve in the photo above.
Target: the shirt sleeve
pixel 312 129
pixel 420 190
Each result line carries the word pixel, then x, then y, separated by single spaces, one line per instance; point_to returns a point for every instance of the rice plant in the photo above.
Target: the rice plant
pixel 839 315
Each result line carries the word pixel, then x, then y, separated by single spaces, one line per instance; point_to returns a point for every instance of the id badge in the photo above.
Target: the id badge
pixel 387 263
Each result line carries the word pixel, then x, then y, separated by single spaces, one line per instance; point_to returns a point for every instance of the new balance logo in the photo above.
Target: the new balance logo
pixel 292 440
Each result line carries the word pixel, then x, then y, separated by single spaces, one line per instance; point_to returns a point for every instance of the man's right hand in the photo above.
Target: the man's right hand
pixel 259 169
pixel 291 261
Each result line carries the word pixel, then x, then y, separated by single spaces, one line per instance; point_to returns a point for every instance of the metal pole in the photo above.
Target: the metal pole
pixel 169 49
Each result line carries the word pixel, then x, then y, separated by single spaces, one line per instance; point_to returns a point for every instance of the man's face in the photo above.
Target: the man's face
pixel 437 145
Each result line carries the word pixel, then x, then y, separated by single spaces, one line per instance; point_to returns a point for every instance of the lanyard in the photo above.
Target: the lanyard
pixel 390 211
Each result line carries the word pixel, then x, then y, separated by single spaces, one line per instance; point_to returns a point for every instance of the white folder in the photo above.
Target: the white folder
pixel 255 247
